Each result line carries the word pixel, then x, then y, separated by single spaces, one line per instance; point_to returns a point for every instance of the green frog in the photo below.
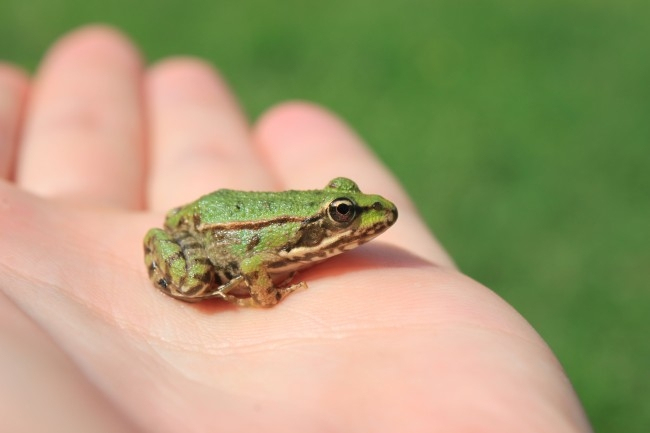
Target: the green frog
pixel 245 247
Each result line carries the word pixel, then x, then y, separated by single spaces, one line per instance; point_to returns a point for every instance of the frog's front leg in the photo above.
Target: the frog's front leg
pixel 263 292
pixel 177 266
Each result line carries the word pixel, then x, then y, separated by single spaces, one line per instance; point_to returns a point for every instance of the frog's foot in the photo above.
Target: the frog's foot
pixel 287 280
pixel 282 293
pixel 265 301
pixel 175 268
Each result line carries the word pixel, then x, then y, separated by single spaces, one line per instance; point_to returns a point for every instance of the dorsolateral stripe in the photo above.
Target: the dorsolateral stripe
pixel 251 225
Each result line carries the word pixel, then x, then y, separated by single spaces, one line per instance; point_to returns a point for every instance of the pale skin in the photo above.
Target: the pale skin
pixel 95 147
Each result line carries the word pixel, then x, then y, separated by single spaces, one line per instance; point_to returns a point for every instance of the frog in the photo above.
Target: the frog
pixel 245 247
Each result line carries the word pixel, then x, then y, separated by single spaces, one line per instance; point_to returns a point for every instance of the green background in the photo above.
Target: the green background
pixel 520 128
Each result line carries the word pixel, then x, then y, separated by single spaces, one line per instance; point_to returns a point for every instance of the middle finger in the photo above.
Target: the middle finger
pixel 200 140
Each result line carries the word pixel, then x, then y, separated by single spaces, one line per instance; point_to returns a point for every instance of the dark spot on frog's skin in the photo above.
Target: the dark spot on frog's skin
pixel 162 283
pixel 229 275
pixel 191 244
pixel 181 236
pixel 197 220
pixel 312 236
pixel 237 206
pixel 203 260
pixel 312 219
pixel 255 240
pixel 176 255
pixel 278 296
pixel 206 277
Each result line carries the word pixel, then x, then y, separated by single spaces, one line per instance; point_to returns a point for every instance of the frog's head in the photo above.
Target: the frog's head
pixel 358 215
pixel 346 219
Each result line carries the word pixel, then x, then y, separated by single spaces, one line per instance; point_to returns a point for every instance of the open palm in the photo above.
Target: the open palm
pixel 390 337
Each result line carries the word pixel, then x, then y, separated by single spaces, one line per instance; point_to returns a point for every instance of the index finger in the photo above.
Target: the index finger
pixel 82 139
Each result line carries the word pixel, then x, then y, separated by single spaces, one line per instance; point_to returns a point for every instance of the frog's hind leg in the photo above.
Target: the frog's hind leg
pixel 176 265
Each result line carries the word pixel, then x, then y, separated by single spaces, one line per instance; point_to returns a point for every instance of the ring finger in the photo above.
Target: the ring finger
pixel 13 93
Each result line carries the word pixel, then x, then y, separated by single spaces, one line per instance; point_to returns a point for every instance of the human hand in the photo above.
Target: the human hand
pixel 389 337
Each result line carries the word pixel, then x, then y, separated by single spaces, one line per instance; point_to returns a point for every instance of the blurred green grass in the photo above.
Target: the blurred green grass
pixel 520 128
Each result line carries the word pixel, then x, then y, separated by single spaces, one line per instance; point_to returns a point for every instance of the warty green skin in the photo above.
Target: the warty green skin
pixel 245 247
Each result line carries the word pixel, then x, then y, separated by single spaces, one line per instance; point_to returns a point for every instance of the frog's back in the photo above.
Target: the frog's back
pixel 228 206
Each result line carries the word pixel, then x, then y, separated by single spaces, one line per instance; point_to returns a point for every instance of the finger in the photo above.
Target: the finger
pixel 13 95
pixel 307 146
pixel 200 140
pixel 83 135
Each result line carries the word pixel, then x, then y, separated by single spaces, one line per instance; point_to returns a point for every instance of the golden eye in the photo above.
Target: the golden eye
pixel 342 210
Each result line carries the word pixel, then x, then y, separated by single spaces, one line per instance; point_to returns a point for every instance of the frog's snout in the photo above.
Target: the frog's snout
pixel 392 214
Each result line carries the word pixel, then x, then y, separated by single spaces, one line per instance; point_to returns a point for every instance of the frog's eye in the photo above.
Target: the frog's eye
pixel 342 210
